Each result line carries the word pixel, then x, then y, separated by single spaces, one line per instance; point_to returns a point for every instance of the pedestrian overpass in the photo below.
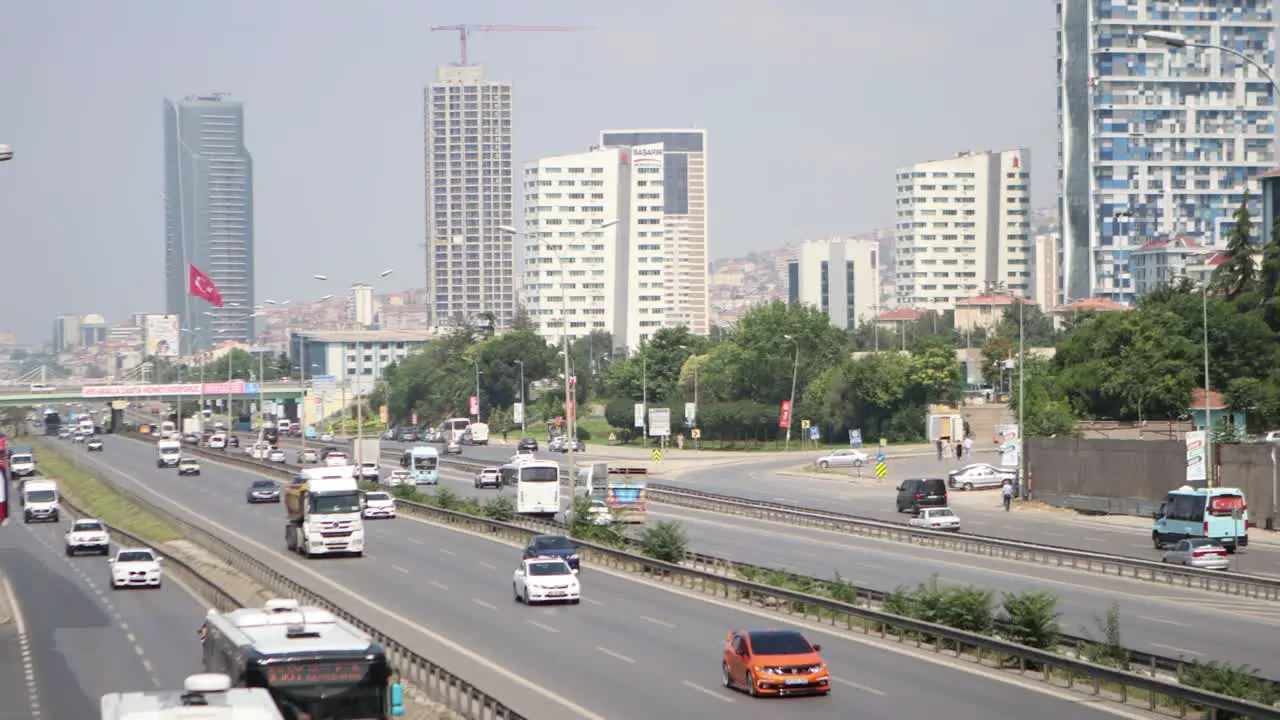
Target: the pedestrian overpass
pixel 62 393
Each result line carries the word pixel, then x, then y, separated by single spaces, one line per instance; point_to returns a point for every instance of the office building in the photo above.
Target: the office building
pixel 1156 142
pixel 596 251
pixel 355 359
pixel 208 201
pixel 362 306
pixel 470 260
pixel 1046 271
pixel 686 218
pixel 93 330
pixel 840 277
pixel 66 333
pixel 963 225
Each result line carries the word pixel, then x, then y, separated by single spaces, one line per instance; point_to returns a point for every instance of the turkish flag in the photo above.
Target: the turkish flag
pixel 202 287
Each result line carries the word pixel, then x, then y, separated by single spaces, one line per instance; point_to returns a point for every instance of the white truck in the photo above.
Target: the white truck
pixel 366 450
pixel 477 434
pixel 39 501
pixel 22 462
pixel 192 425
pixel 168 453
pixel 324 507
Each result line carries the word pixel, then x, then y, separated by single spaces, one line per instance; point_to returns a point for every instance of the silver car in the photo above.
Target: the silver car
pixel 1199 553
pixel 847 457
pixel 980 476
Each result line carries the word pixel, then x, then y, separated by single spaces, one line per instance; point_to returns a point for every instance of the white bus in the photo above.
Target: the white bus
pixel 452 429
pixel 538 488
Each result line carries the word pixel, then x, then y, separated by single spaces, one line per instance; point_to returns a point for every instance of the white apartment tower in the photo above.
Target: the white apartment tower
pixel 685 211
pixel 1156 142
pixel 470 259
pixel 963 225
pixel 840 277
pixel 362 306
pixel 595 244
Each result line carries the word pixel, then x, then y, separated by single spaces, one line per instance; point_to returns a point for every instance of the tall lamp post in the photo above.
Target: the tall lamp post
pixel 1208 415
pixel 522 407
pixel 6 152
pixel 566 495
pixel 1178 41
pixel 791 404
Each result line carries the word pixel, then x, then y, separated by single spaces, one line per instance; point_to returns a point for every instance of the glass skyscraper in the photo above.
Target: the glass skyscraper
pixel 208 201
pixel 1156 141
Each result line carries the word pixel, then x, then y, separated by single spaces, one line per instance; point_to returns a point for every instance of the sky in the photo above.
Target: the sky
pixel 810 107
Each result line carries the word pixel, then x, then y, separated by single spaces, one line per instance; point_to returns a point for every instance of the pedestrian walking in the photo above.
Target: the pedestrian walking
pixel 939 443
pixel 959 450
pixel 1007 491
pixel 968 447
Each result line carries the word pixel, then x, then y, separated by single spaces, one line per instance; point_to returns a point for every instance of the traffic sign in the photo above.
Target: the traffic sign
pixel 882 469
pixel 657 455
pixel 804 424
pixel 696 433
pixel 813 433
pixel 855 438
pixel 880 457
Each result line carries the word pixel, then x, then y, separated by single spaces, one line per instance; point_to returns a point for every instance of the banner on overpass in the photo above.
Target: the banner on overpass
pixel 235 387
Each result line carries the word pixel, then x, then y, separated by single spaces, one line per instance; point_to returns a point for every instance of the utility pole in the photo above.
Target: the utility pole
pixel 522 407
pixel 464 33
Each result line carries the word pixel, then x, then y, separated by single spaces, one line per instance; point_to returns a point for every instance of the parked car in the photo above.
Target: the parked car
pixel 847 457
pixel 917 493
pixel 1204 553
pixel 980 476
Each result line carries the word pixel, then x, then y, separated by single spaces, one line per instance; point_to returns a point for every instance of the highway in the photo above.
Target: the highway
pixel 86 640
pixel 450 593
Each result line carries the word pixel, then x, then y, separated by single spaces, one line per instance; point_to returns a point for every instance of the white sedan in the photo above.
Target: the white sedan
pixel 276 456
pixel 398 478
pixel 545 579
pixel 980 476
pixel 936 519
pixel 378 505
pixel 135 567
pixel 847 457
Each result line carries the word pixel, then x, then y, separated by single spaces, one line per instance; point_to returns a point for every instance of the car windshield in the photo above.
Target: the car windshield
pixel 190 462
pixel 377 496
pixel 134 556
pixel 549 568
pixel 344 503
pixel 21 458
pixel 264 484
pixel 87 526
pixel 41 496
pixel 779 643
pixel 552 542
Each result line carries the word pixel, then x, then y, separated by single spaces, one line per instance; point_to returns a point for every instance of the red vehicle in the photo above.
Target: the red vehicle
pixel 774 662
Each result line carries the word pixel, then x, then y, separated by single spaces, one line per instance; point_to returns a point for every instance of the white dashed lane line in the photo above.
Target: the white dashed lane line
pixel 24 647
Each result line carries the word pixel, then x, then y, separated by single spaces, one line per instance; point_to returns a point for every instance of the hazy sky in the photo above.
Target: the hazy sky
pixel 810 104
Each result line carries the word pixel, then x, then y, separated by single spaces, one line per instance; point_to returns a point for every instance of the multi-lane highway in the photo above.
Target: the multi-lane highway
pixel 85 640
pixel 629 650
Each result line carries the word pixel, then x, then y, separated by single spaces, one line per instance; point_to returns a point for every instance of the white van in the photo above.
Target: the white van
pixel 478 434
pixel 39 501
pixel 218 441
pixel 169 452
pixel 22 464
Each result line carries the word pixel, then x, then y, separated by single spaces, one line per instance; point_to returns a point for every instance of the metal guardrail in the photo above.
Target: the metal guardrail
pixel 720 569
pixel 429 679
pixel 1217 581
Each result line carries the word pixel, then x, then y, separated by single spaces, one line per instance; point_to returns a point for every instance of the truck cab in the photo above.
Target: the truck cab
pixel 39 501
pixel 168 453
pixel 325 507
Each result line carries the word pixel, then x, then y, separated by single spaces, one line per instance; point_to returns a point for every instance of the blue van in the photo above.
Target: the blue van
pixel 1219 514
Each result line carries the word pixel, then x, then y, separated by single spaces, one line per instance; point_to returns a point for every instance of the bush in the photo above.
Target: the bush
pixel 962 608
pixel 583 433
pixel 581 527
pixel 1031 619
pixel 1110 650
pixel 665 541
pixel 500 508
pixel 1237 681
pixel 407 492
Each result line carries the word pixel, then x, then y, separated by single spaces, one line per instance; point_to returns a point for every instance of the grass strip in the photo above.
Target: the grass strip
pixel 96 496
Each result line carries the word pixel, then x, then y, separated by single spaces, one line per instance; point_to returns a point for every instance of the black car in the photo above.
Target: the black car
pixel 916 493
pixel 557 546
pixel 527 445
pixel 262 491
pixel 233 441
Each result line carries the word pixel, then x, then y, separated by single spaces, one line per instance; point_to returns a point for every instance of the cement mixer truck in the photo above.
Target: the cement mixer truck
pixel 324 509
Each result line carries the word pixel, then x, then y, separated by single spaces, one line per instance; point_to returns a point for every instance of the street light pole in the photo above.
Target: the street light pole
pixel 1022 399
pixel 791 405
pixel 477 364
pixel 644 396
pixel 1179 40
pixel 1208 416
pixel 523 410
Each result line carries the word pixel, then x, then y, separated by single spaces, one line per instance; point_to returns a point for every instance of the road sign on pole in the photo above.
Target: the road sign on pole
pixel 882 469
pixel 657 455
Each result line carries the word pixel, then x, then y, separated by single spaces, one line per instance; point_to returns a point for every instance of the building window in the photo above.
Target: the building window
pixel 826 286
pixel 848 296
pixel 793 282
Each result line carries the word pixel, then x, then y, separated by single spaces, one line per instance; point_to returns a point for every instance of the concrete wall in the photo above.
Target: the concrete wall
pixel 1131 477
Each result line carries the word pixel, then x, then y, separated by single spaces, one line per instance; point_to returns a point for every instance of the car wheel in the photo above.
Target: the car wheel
pixel 968 486
pixel 823 464
pixel 526 596
pixel 724 675
pixel 751 684
pixel 576 601
pixel 70 552
pixel 1155 540
pixel 857 463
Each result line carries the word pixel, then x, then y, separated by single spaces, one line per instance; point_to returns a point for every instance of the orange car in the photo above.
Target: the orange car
pixel 774 662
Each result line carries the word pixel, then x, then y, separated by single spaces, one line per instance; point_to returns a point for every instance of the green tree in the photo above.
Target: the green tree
pixel 655 366
pixel 499 358
pixel 521 320
pixel 935 372
pixel 1238 276
pixel 995 353
pixel 1152 374
pixel 1037 328
pixel 762 367
pixel 1269 278
pixel 501 421
pixel 1047 413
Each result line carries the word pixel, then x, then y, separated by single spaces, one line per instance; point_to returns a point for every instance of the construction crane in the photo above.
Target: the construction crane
pixel 464 31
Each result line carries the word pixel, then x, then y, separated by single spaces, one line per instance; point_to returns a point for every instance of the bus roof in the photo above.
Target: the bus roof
pixel 423 450
pixel 1207 491
pixel 538 464
pixel 228 704
pixel 284 628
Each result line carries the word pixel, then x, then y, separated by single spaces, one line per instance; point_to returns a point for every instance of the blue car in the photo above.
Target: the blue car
pixel 557 546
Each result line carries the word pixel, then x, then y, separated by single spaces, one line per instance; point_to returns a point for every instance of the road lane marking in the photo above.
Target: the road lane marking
pixel 616 655
pixel 490 566
pixel 415 541
pixel 484 604
pixel 438 584
pixel 1165 621
pixel 542 626
pixel 592 601
pixel 707 691
pixel 656 621
pixel 858 686
pixel 399 569
pixel 1176 649
pixel 446 552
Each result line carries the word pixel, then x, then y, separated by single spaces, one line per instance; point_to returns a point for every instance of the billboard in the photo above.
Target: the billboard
pixel 161 333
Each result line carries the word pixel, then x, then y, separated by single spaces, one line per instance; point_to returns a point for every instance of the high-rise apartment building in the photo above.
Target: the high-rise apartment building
pixel 687 222
pixel 66 333
pixel 1154 141
pixel 208 201
pixel 963 225
pixel 470 260
pixel 1046 272
pixel 362 306
pixel 596 253
pixel 840 277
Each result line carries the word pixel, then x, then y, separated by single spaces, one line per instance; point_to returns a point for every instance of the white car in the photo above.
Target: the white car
pixel 936 519
pixel 847 457
pixel 379 505
pixel 218 441
pixel 326 437
pixel 980 476
pixel 368 472
pixel 135 567
pixel 599 513
pixel 79 436
pixel 398 478
pixel 522 458
pixel 545 579
pixel 276 456
pixel 308 457
pixel 88 535
pixel 489 478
